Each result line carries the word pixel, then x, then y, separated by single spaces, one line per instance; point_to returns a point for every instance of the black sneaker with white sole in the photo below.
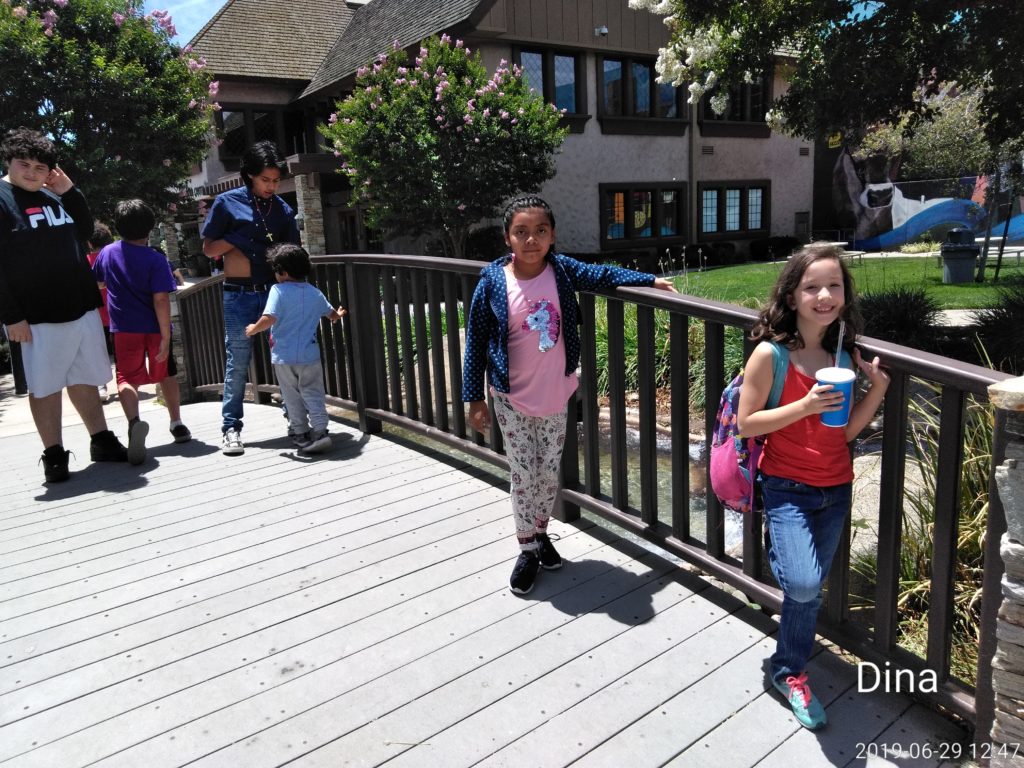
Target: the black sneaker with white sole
pixel 550 560
pixel 524 574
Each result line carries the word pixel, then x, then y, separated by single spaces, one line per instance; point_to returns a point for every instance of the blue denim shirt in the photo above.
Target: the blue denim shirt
pixel 487 324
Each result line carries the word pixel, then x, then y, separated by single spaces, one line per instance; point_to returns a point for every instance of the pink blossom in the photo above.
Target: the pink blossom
pixel 476 140
pixel 445 40
pixel 117 158
pixel 439 118
pixel 337 153
pixel 48 32
pixel 467 120
pixel 187 48
pixel 20 12
pixel 504 114
pixel 362 71
pixel 213 88
pixel 167 162
pixel 402 70
pixel 395 45
pixel 60 3
pixel 333 118
pixel 192 104
pixel 514 120
pixel 487 112
pixel 462 206
pixel 423 53
pixel 414 82
pixel 118 18
pixel 172 207
pixel 459 43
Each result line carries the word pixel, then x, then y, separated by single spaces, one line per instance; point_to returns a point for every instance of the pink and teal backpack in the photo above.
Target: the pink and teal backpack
pixel 733 465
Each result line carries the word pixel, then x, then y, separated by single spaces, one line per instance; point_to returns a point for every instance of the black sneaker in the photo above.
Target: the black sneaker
pixel 55 465
pixel 550 560
pixel 105 446
pixel 525 572
pixel 137 432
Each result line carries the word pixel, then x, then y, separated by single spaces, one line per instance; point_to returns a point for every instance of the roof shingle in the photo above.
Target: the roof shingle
pixel 375 26
pixel 267 39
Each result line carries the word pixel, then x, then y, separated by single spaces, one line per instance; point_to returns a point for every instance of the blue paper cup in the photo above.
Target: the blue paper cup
pixel 841 380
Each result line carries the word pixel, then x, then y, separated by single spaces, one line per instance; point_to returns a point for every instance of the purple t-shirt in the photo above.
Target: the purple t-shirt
pixel 132 274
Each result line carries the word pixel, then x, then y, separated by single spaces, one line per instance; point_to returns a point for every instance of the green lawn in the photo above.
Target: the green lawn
pixel 749 284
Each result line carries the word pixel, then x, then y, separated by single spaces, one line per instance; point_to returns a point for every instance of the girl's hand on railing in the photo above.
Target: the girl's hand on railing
pixel 873 370
pixel 479 416
pixel 337 314
pixel 665 285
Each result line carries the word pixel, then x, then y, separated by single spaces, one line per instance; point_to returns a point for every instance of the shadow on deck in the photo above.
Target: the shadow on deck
pixel 353 609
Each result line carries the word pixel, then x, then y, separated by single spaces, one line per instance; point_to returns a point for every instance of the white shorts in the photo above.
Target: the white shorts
pixel 62 354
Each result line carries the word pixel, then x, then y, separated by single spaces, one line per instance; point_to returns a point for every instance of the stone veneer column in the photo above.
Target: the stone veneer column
pixel 311 211
pixel 170 234
pixel 1008 661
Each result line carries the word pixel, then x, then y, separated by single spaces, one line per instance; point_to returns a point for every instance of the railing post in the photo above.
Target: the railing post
pixel 364 299
pixel 1000 685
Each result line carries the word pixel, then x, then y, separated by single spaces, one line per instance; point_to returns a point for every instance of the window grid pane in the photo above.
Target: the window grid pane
pixel 709 210
pixel 615 214
pixel 755 200
pixel 565 83
pixel 732 210
pixel 235 141
pixel 533 71
pixel 612 87
pixel 669 213
pixel 641 90
pixel 667 102
pixel 642 206
pixel 265 128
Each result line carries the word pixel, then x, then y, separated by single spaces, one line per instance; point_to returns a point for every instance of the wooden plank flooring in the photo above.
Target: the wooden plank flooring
pixel 352 609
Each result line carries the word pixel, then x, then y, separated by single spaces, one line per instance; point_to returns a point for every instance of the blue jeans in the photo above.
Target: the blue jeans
pixel 805 524
pixel 240 309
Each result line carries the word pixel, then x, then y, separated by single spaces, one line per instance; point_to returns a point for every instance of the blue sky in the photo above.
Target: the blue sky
pixel 189 15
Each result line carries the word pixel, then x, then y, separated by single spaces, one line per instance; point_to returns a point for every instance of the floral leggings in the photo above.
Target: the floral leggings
pixel 533 445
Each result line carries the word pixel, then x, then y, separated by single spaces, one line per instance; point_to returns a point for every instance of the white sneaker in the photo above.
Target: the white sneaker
pixel 104 395
pixel 231 445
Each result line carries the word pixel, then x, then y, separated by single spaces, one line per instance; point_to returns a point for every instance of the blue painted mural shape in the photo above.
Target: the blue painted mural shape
pixel 943 213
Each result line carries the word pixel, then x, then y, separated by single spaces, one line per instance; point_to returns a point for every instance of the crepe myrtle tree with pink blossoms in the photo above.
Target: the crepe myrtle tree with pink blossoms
pixel 128 108
pixel 436 144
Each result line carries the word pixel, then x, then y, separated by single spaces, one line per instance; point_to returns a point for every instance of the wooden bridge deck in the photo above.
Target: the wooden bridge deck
pixel 353 609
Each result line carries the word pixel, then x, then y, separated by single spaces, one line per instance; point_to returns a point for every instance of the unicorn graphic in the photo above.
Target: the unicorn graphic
pixel 544 319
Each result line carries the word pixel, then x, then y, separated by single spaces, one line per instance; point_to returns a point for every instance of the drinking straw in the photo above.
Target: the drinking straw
pixel 839 344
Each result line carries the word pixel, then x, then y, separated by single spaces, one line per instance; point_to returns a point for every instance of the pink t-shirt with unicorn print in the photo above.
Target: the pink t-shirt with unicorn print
pixel 538 385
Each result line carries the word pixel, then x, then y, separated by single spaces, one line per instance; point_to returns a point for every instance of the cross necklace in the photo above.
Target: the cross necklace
pixel 263 216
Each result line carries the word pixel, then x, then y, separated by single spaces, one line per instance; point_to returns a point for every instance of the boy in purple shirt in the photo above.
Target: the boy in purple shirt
pixel 138 280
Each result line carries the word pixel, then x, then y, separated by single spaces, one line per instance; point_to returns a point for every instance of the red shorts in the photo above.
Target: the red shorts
pixel 135 357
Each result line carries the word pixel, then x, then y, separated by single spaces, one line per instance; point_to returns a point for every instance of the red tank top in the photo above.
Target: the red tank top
pixel 806 451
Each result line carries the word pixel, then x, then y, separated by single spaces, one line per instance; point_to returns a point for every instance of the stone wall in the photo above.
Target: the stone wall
pixel 1007 732
pixel 311 212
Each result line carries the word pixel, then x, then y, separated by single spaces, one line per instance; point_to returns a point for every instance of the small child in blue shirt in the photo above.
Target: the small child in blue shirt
pixel 294 308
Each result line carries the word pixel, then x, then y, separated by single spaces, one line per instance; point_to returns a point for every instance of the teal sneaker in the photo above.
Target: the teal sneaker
pixel 808 710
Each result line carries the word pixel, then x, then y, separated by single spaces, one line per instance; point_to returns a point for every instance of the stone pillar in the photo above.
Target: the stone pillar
pixel 1007 732
pixel 170 234
pixel 311 212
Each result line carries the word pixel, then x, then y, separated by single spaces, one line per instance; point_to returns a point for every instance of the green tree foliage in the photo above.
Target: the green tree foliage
pixel 437 145
pixel 856 63
pixel 128 109
pixel 951 144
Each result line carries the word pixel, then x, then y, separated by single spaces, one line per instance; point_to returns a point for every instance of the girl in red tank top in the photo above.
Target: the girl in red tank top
pixel 806 472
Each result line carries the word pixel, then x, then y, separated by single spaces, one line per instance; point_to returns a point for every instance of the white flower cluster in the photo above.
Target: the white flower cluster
pixel 775 120
pixel 661 7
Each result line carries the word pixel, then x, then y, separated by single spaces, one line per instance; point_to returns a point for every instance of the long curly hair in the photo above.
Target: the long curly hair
pixel 777 321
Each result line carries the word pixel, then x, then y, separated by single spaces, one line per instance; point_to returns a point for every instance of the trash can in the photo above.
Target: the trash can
pixel 959 256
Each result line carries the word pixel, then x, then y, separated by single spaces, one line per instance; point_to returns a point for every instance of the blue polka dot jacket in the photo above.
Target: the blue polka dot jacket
pixel 487 325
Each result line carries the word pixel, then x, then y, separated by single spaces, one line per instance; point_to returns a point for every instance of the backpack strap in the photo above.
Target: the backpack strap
pixel 780 362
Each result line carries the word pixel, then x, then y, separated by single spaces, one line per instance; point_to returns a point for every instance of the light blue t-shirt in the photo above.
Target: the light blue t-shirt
pixel 297 308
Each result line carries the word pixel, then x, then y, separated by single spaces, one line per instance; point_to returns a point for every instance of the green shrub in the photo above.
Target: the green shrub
pixel 999 329
pixel 920 246
pixel 901 315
